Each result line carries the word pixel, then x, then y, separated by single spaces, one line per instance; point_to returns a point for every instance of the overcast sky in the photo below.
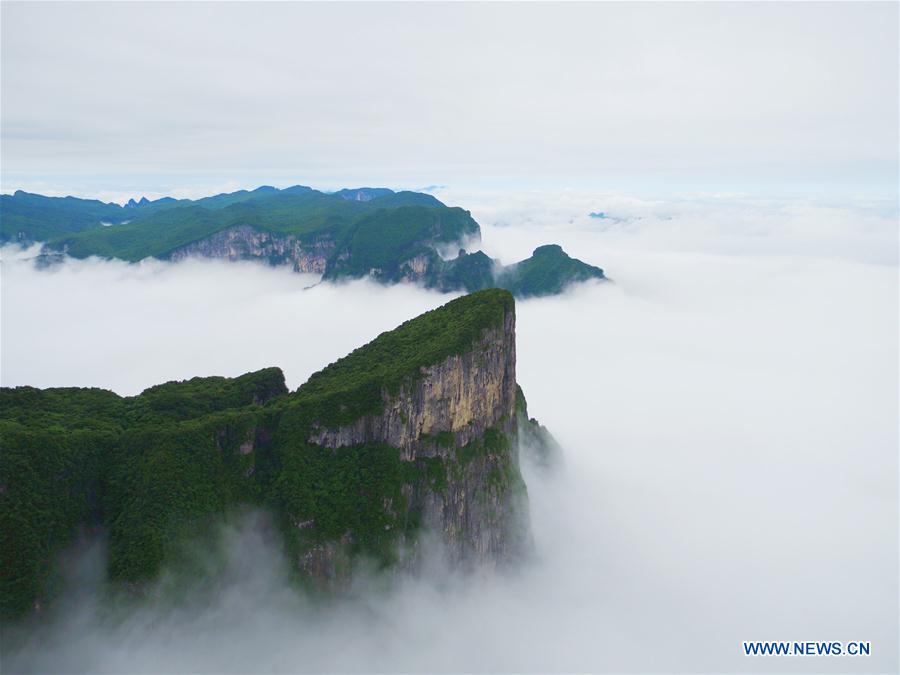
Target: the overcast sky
pixel 118 99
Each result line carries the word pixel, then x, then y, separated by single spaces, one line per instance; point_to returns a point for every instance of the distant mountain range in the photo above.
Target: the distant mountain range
pixel 352 233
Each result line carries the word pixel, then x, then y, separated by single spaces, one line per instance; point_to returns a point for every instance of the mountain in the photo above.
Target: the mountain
pixel 398 244
pixel 27 217
pixel 548 271
pixel 361 232
pixel 414 432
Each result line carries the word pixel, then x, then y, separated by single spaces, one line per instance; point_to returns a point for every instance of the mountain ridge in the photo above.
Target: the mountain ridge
pixel 391 237
pixel 415 431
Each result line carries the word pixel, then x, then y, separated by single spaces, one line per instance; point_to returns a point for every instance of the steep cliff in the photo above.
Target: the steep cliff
pixel 433 403
pixel 463 395
pixel 412 437
pixel 454 420
pixel 244 242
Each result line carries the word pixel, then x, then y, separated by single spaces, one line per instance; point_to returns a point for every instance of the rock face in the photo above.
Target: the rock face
pixel 547 272
pixel 481 515
pixel 464 395
pixel 243 242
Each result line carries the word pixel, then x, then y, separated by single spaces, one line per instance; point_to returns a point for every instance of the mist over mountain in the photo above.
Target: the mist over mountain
pixel 726 410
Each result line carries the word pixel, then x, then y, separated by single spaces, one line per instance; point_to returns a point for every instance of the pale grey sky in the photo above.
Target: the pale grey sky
pixel 114 99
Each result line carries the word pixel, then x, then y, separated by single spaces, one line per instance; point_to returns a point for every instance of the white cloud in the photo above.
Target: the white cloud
pixel 863 229
pixel 728 409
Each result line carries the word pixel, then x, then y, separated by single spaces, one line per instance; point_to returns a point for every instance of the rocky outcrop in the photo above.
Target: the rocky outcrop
pixel 417 269
pixel 452 404
pixel 457 424
pixel 243 242
pixel 478 514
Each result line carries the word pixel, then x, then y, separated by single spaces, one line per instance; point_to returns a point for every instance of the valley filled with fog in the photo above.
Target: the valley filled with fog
pixel 728 410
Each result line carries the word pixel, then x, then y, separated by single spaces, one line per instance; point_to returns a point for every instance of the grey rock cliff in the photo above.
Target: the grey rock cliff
pixel 463 395
pixel 243 242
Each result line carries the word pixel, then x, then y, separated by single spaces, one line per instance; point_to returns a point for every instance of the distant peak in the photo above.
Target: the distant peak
pixel 549 249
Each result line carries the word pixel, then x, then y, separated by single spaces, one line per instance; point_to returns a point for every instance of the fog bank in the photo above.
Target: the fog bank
pixel 728 410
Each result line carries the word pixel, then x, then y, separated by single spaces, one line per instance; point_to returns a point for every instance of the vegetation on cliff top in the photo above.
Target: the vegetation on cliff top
pixel 547 272
pixel 138 464
pixel 304 216
pixel 199 396
pixel 381 242
pixel 351 387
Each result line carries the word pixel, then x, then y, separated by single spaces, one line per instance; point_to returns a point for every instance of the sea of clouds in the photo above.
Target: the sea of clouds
pixel 728 409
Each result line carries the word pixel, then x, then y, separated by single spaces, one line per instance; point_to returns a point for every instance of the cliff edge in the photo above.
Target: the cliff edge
pixel 440 391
